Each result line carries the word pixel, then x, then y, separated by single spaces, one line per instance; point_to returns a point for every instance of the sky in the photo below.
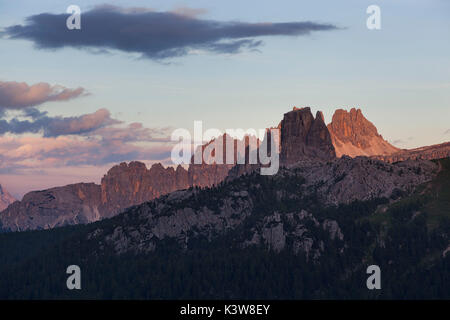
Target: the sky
pixel 75 102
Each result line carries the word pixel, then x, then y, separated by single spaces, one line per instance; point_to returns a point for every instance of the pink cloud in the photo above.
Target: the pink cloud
pixel 78 125
pixel 35 162
pixel 98 148
pixel 15 95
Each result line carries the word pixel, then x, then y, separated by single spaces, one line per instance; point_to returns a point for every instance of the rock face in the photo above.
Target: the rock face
pixel 306 144
pixel 5 198
pixel 123 186
pixel 71 204
pixel 303 136
pixel 346 179
pixel 278 229
pixel 353 135
pixel 129 184
pixel 184 215
pixel 277 207
pixel 437 151
pixel 211 171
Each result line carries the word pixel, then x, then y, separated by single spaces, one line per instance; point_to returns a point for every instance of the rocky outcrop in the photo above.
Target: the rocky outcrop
pixel 171 218
pixel 5 198
pixel 303 136
pixel 129 184
pixel 347 179
pixel 252 204
pixel 277 230
pixel 123 186
pixel 213 169
pixel 344 180
pixel 438 151
pixel 71 204
pixel 207 175
pixel 353 135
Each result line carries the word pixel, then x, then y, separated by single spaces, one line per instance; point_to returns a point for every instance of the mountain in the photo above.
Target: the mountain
pixel 304 139
pixel 224 231
pixel 353 135
pixel 123 186
pixel 256 237
pixel 71 204
pixel 5 198
pixel 303 136
pixel 186 214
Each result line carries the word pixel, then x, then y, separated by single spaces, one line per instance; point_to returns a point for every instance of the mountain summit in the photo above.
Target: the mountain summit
pixel 353 135
pixel 303 136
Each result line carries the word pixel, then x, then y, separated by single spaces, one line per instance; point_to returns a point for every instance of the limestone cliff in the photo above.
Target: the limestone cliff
pixel 353 135
pixel 303 136
pixel 60 206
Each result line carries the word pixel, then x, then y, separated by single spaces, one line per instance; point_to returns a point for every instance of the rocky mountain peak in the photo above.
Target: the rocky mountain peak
pixel 319 115
pixel 352 134
pixel 353 127
pixel 303 136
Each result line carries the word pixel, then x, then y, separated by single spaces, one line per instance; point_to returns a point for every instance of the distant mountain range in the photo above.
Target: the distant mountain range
pixel 227 232
pixel 303 137
pixel 308 232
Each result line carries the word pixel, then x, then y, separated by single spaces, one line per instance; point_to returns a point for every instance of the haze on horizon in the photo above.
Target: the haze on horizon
pixel 73 105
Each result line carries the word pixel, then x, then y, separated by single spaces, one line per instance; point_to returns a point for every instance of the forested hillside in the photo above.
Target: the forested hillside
pixel 324 253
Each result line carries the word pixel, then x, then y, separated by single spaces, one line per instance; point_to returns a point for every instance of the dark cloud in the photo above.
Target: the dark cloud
pixel 56 126
pixel 154 35
pixel 16 95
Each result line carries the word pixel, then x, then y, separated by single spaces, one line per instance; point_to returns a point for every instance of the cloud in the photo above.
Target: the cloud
pixel 56 126
pixel 16 95
pixel 401 143
pixel 34 140
pixel 79 125
pixel 24 152
pixel 447 132
pixel 398 142
pixel 153 35
pixel 135 132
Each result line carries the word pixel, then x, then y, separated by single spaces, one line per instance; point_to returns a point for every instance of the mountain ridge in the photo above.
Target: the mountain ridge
pixel 303 138
pixel 255 237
